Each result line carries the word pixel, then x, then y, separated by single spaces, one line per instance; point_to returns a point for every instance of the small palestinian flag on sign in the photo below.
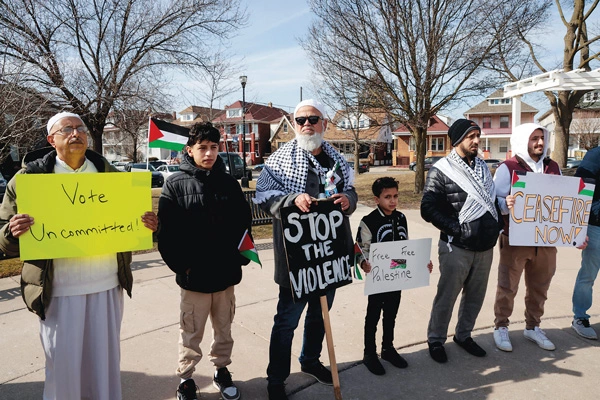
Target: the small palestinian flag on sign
pixel 164 135
pixel 586 189
pixel 356 270
pixel 247 248
pixel 516 183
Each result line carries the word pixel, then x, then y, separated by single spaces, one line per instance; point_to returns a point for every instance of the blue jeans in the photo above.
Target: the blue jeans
pixel 285 322
pixel 590 263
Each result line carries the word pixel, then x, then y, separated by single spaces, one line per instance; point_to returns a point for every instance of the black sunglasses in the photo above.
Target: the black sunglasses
pixel 313 119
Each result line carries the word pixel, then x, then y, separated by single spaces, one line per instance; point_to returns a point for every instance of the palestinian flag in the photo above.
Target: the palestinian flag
pixel 247 248
pixel 164 135
pixel 586 189
pixel 357 252
pixel 515 181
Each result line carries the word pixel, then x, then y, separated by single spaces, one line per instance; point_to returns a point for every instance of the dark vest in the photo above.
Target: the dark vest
pixel 518 164
pixel 386 228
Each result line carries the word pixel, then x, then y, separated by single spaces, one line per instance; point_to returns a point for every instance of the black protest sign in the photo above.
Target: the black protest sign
pixel 317 249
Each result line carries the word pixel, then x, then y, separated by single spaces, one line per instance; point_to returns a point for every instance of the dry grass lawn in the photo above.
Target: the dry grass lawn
pixel 407 200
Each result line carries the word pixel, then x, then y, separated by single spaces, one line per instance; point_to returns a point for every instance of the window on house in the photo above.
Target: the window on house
pixel 361 123
pixel 503 146
pixel 504 121
pixel 256 149
pixel 437 144
pixel 487 122
pixel 354 124
pixel 234 112
pixel 412 145
pixel 285 128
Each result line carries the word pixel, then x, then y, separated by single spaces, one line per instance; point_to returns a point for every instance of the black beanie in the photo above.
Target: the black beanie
pixel 459 130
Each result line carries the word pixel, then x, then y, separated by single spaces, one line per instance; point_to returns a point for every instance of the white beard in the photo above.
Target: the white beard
pixel 310 142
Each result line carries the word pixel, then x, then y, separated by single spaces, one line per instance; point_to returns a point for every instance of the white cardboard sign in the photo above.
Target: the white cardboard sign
pixel 549 210
pixel 398 265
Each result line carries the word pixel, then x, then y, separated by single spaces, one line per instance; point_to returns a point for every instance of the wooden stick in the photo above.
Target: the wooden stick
pixel 337 391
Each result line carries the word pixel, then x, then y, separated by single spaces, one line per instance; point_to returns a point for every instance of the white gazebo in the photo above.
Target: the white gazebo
pixel 578 79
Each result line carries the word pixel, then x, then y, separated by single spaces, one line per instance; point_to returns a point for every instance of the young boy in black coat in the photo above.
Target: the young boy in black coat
pixel 384 224
pixel 203 216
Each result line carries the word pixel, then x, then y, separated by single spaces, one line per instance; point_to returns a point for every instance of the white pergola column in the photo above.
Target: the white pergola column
pixel 516 111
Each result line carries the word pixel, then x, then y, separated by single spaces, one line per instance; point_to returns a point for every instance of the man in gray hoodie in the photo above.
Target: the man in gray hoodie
pixel 529 143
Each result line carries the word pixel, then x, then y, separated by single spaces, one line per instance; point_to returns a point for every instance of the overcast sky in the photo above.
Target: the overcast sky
pixel 268 52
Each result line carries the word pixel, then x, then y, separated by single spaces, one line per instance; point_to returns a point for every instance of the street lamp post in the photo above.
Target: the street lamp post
pixel 243 80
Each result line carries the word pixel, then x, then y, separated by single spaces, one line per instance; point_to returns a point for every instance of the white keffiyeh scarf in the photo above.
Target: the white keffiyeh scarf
pixel 476 182
pixel 286 171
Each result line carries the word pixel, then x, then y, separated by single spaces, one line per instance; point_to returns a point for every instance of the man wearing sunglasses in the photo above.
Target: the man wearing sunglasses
pixel 302 170
pixel 79 300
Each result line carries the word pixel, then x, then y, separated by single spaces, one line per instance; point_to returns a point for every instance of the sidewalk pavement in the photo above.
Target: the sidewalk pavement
pixel 150 333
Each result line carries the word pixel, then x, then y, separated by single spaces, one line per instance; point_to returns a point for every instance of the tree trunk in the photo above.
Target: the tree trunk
pixel 563 115
pixel 96 134
pixel 420 136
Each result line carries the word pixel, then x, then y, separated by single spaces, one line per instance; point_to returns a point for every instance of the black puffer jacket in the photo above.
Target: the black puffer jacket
pixel 441 203
pixel 203 215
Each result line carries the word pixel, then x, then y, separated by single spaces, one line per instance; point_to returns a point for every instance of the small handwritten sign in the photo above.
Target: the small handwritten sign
pixel 549 210
pixel 318 254
pixel 398 265
pixel 83 214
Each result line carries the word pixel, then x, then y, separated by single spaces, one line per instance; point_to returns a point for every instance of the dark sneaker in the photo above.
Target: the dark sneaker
pixel 223 382
pixel 187 390
pixel 277 392
pixel 470 346
pixel 437 352
pixel 373 364
pixel 319 372
pixel 391 355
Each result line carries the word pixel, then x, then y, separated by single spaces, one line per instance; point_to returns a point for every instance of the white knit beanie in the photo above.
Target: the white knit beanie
pixel 58 117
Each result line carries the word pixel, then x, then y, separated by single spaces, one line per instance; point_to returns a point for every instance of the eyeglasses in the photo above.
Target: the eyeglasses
pixel 68 130
pixel 313 119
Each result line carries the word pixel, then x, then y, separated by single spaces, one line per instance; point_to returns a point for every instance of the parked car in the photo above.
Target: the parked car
pixel 362 168
pixel 429 161
pixel 236 161
pixel 120 165
pixel 493 163
pixel 157 163
pixel 3 183
pixel 167 170
pixel 572 162
pixel 157 178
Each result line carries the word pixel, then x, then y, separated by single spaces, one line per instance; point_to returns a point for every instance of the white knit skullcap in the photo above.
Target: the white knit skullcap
pixel 313 103
pixel 60 116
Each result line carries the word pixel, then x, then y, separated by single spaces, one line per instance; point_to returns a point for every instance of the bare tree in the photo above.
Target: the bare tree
pixel 217 78
pixel 587 128
pixel 85 56
pixel 22 111
pixel 416 56
pixel 527 56
pixel 342 91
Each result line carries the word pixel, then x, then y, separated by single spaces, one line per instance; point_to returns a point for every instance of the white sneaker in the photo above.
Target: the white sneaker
pixel 538 336
pixel 501 338
pixel 583 328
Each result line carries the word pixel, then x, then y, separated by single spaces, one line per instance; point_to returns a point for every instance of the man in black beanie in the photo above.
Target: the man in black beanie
pixel 459 198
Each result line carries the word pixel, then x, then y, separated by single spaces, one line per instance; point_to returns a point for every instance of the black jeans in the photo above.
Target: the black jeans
pixel 388 302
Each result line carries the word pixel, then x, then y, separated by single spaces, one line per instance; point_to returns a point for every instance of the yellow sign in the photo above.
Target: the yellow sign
pixel 84 214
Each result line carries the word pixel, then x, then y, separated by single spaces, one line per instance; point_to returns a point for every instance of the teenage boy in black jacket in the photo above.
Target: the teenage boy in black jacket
pixel 203 216
pixel 384 224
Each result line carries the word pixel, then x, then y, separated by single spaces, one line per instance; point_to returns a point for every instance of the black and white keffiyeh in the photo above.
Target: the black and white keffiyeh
pixel 286 171
pixel 476 182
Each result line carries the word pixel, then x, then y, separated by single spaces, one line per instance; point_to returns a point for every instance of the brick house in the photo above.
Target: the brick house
pixel 438 143
pixel 260 122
